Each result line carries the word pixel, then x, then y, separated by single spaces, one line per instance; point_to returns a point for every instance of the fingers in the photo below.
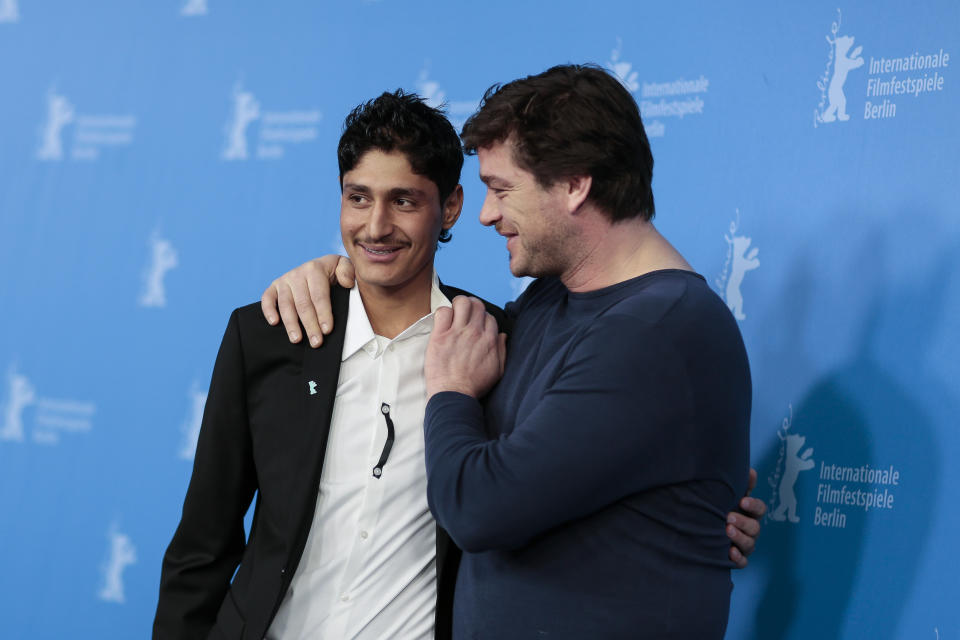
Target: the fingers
pixel 302 296
pixel 288 310
pixel 737 558
pixel 753 507
pixel 462 311
pixel 317 315
pixel 268 304
pixel 442 320
pixel 303 303
pixel 739 531
pixel 744 524
pixel 489 324
pixel 345 273
pixel 751 481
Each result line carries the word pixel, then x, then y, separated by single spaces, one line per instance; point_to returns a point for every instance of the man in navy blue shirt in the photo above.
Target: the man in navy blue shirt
pixel 590 490
pixel 589 493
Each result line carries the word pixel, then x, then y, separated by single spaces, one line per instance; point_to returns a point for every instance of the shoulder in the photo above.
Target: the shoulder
pixel 670 314
pixel 256 336
pixel 668 298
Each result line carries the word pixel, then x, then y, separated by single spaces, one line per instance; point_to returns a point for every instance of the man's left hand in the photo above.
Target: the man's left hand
pixel 465 353
pixel 744 528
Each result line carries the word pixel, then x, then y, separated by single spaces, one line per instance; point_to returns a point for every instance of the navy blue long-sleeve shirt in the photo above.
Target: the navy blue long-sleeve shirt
pixel 589 493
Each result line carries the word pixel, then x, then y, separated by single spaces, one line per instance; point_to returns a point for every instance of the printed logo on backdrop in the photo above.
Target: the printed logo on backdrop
pixel 163 258
pixel 841 488
pixel 196 401
pixel 9 11
pixel 677 98
pixel 271 132
pixel 740 259
pixel 86 136
pixel 120 554
pixel 790 463
pixel 194 8
pixel 45 419
pixel 840 62
pixel 892 79
pixel 457 110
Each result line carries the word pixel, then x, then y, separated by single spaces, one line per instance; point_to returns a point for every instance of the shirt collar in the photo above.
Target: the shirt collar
pixel 359 333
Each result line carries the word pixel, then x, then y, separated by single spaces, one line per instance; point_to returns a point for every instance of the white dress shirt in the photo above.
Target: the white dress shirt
pixel 368 570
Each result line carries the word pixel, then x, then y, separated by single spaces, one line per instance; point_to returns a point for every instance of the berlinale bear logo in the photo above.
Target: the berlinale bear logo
pixel 740 259
pixel 789 465
pixel 833 101
pixel 246 109
pixel 21 395
pixel 59 114
pixel 163 258
pixel 122 553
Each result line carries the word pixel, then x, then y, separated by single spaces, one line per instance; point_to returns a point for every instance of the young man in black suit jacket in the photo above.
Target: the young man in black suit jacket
pixel 270 407
pixel 271 411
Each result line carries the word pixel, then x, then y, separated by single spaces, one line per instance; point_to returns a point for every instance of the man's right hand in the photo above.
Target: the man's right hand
pixel 302 295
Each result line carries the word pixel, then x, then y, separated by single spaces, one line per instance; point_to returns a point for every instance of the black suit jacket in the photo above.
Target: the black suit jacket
pixel 264 433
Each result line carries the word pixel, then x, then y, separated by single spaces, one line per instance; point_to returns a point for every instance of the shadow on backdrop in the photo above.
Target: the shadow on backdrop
pixel 826 565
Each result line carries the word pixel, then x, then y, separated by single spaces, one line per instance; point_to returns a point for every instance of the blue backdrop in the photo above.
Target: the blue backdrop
pixel 161 162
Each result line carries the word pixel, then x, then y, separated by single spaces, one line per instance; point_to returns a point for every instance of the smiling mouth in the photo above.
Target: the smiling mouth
pixel 379 251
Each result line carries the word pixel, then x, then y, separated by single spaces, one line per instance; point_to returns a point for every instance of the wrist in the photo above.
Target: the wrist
pixel 457 386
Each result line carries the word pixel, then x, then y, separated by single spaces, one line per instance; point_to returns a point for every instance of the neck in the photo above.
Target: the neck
pixel 391 310
pixel 611 252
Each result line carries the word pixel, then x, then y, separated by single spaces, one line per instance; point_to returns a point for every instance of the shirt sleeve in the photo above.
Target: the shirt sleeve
pixel 616 420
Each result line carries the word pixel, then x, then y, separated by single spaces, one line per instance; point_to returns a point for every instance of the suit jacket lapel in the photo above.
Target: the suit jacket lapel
pixel 320 372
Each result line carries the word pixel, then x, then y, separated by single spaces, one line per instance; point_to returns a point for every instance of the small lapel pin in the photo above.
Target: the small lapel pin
pixel 313 387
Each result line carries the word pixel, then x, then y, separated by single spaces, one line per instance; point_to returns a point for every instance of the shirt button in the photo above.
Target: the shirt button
pixel 363 535
pixel 344 598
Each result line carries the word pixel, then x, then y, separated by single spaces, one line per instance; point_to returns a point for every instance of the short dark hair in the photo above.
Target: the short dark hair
pixel 572 120
pixel 404 122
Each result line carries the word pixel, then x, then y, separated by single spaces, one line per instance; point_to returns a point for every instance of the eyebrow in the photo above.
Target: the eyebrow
pixel 494 181
pixel 396 192
pixel 407 191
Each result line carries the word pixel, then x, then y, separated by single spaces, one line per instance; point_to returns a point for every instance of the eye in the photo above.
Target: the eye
pixel 405 203
pixel 356 198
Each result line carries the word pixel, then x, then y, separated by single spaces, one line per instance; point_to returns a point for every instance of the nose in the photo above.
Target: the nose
pixel 380 223
pixel 489 212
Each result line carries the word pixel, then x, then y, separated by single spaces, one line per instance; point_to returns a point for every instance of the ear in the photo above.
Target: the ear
pixel 452 207
pixel 577 189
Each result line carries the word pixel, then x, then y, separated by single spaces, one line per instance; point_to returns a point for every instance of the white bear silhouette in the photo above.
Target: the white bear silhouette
pixel 164 258
pixel 21 395
pixel 246 109
pixel 59 114
pixel 122 554
pixel 842 65
pixel 741 263
pixel 793 465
